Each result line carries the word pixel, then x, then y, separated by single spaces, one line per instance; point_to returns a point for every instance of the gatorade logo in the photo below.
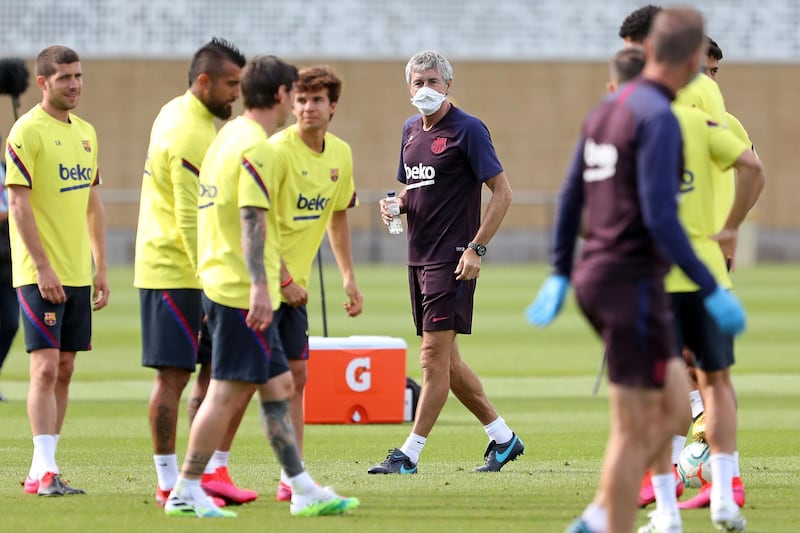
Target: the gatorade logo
pixel 76 173
pixel 358 376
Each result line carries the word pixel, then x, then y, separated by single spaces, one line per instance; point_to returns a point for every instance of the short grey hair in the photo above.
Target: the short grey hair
pixel 428 60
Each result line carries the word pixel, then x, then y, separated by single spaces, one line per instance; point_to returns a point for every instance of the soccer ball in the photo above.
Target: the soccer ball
pixel 693 465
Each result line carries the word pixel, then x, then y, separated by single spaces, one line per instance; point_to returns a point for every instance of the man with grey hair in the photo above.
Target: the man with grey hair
pixel 446 157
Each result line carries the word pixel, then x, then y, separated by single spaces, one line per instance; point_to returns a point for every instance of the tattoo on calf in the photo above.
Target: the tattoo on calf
pixel 281 436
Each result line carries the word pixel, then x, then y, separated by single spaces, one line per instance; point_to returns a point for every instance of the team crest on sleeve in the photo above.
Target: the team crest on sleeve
pixel 334 174
pixel 438 145
pixel 86 146
pixel 50 318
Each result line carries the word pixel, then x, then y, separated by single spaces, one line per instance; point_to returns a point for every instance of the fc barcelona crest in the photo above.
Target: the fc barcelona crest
pixel 50 318
pixel 334 174
pixel 86 146
pixel 439 144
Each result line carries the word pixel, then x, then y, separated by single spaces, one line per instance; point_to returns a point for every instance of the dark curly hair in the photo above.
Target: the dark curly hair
pixel 636 26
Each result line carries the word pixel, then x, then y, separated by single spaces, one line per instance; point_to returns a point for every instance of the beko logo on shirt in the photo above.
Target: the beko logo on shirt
pixel 600 159
pixel 419 172
pixel 76 173
pixel 312 204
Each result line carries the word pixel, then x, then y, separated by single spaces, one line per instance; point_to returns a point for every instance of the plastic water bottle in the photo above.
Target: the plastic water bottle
pixel 393 204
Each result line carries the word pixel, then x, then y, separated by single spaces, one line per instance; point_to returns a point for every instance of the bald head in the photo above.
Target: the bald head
pixel 677 35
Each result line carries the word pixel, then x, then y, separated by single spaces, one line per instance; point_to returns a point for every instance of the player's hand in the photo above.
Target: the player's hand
pixel 101 290
pixel 354 305
pixel 549 301
pixel 728 240
pixel 469 265
pixel 294 294
pixel 50 286
pixel 386 216
pixel 726 311
pixel 259 316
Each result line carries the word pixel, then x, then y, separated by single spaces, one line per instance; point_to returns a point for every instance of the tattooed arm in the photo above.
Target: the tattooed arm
pixel 253 222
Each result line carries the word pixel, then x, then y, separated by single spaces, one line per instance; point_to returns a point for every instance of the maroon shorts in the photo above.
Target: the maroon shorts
pixel 438 301
pixel 634 319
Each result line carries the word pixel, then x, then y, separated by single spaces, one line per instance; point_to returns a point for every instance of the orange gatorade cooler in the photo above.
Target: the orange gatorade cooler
pixel 355 380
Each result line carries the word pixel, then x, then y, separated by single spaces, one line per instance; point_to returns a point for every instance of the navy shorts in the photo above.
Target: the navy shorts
pixel 66 326
pixel 239 353
pixel 634 320
pixel 204 345
pixel 694 327
pixel 438 301
pixel 291 324
pixel 171 320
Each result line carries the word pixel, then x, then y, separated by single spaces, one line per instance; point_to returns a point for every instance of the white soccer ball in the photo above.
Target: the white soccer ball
pixel 694 466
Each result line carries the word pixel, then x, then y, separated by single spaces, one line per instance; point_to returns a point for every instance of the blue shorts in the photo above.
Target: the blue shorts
pixel 439 302
pixel 694 328
pixel 204 345
pixel 171 320
pixel 66 326
pixel 292 327
pixel 239 353
pixel 633 318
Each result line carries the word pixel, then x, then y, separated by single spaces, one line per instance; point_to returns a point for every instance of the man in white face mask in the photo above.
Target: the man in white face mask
pixel 446 157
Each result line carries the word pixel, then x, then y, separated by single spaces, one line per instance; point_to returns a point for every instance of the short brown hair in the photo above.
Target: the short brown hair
pixel 51 56
pixel 627 64
pixel 313 79
pixel 676 34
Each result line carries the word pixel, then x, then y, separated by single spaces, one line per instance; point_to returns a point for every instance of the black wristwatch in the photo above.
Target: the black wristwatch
pixel 480 249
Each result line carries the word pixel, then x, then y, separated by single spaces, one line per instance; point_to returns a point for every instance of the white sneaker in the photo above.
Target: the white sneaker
pixel 728 518
pixel 663 523
pixel 187 506
pixel 321 501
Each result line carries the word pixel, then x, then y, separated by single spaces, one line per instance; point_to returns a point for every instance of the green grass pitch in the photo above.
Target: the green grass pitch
pixel 540 381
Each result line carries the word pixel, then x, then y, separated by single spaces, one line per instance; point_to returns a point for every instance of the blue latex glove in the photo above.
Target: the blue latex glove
pixel 549 300
pixel 726 311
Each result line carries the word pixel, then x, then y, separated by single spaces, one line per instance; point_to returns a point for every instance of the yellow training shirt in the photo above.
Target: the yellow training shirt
pixel 703 93
pixel 707 149
pixel 57 161
pixel 237 172
pixel 311 186
pixel 166 237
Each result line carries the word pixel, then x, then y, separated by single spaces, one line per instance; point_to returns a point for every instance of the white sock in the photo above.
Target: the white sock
pixel 220 459
pixel 678 442
pixel 736 471
pixel 696 402
pixel 664 489
pixel 499 431
pixel 56 437
pixel 166 470
pixel 191 491
pixel 285 476
pixel 44 456
pixel 302 483
pixel 413 446
pixel 595 517
pixel 722 466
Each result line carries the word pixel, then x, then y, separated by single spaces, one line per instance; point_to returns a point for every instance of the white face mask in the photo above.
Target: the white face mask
pixel 428 100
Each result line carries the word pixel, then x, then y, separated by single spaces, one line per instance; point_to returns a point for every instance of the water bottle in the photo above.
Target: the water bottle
pixel 393 204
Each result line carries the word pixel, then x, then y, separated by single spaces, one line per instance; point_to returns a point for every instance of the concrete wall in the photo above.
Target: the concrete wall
pixel 533 110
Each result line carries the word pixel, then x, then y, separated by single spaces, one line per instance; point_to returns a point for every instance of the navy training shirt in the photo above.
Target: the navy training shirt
pixel 625 174
pixel 443 170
